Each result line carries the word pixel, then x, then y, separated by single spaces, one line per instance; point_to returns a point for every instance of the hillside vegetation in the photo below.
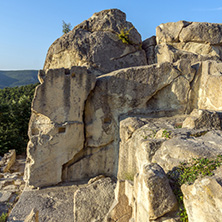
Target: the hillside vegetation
pixel 15 109
pixel 17 78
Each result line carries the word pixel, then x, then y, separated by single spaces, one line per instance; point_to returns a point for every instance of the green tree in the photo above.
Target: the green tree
pixel 15 111
pixel 66 27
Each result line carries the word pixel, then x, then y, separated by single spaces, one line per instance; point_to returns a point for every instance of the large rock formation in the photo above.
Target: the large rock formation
pixel 190 40
pixel 56 128
pixel 122 118
pixel 203 199
pixel 95 44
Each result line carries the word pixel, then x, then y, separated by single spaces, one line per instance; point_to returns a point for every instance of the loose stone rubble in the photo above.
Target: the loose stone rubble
pixel 11 180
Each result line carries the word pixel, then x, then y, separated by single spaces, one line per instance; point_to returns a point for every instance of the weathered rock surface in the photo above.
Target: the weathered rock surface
pixel 149 47
pixel 95 44
pixel 202 32
pixel 203 199
pixel 123 92
pixel 118 93
pixel 7 161
pixel 170 32
pixel 52 203
pixel 56 129
pixel 153 203
pixel 33 216
pixel 121 210
pixel 202 119
pixel 194 40
pixel 139 148
pixel 210 86
pixel 92 203
pixel 159 140
pixel 184 148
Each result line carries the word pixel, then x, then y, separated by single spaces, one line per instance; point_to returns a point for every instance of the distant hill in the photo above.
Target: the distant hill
pixel 17 78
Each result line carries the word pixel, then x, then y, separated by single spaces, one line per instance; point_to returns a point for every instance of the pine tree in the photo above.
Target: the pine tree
pixel 66 27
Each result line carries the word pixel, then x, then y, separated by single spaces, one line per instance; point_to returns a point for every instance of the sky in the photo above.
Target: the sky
pixel 28 27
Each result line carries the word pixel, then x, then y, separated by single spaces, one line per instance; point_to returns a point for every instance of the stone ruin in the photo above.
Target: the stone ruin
pixel 102 106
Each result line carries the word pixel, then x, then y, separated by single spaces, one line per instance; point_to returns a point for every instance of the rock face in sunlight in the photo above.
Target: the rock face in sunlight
pixel 130 117
pixel 56 128
pixel 96 43
pixel 190 40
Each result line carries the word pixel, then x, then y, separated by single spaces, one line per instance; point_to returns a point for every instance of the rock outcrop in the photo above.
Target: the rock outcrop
pixel 57 126
pixel 195 41
pixel 203 200
pixel 112 105
pixel 95 44
pixel 99 195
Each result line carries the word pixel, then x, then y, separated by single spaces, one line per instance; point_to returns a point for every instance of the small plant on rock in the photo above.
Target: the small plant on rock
pixel 124 35
pixel 3 217
pixel 166 134
pixel 151 135
pixel 66 27
pixel 128 176
pixel 187 173
pixel 178 125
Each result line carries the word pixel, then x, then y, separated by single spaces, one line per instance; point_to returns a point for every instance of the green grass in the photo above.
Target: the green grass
pixel 187 173
pixel 3 217
pixel 152 135
pixel 166 134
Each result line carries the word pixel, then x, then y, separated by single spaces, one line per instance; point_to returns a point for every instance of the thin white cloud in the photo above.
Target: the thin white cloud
pixel 208 9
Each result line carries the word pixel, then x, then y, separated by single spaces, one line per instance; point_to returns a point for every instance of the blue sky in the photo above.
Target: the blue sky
pixel 28 27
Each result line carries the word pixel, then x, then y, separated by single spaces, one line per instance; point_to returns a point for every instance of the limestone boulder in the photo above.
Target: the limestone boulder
pixel 194 144
pixel 189 40
pixel 153 203
pixel 91 162
pixel 203 199
pixel 149 47
pixel 121 92
pixel 183 31
pixel 138 149
pixel 202 119
pixel 170 32
pixel 49 204
pixel 7 161
pixel 202 32
pixel 199 48
pixel 117 94
pixel 56 128
pixel 172 52
pixel 128 126
pixel 92 203
pixel 210 86
pixel 95 43
pixel 121 210
pixel 174 96
pixel 5 203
